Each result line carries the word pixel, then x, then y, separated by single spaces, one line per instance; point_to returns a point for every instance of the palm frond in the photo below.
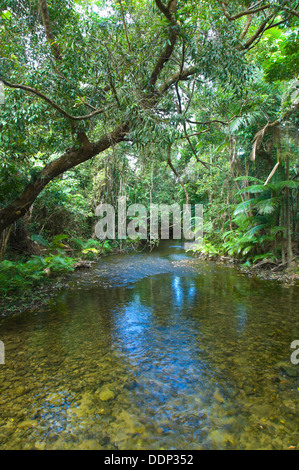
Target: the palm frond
pixel 257 188
pixel 249 119
pixel 249 178
pixel 280 185
pixel 255 229
pixel 267 206
pixel 242 207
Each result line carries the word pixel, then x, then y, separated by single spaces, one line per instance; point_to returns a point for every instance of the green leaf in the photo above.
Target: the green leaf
pixel 255 229
pixel 6 14
pixel 267 206
pixel 242 207
pixel 257 188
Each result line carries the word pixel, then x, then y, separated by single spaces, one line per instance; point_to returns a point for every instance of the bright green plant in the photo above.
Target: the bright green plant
pixel 91 248
pixel 207 247
pixel 255 220
pixel 21 276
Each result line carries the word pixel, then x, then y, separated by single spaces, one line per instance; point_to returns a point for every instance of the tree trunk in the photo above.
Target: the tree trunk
pixel 71 158
pixel 4 238
pixel 288 218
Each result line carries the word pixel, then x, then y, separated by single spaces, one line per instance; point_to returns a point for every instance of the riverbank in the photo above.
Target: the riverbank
pixel 286 278
pixel 266 271
pixel 36 298
pixel 40 295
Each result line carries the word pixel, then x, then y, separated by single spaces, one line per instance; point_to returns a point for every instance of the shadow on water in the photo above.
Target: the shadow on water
pixel 153 351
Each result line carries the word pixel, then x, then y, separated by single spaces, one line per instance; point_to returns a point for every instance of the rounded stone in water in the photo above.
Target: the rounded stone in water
pixel 106 395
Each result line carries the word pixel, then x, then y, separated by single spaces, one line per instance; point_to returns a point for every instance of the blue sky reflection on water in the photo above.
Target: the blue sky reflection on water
pixel 165 352
pixel 241 317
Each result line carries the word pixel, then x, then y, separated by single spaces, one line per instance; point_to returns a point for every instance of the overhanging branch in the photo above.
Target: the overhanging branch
pixel 169 12
pixel 260 30
pixel 169 163
pixel 54 105
pixel 48 30
pixel 290 10
pixel 165 10
pixel 242 13
pixel 67 161
pixel 177 77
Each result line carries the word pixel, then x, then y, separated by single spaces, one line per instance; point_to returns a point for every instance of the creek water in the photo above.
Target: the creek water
pixel 153 351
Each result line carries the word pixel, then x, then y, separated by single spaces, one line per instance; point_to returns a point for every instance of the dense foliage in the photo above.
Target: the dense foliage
pixel 189 101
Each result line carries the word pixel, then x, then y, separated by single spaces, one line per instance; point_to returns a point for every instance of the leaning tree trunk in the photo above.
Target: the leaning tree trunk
pixel 71 158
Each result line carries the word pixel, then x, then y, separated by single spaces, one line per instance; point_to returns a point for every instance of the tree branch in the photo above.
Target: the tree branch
pixel 124 23
pixel 213 121
pixel 242 13
pixel 166 10
pixel 48 29
pixel 164 58
pixel 179 76
pixel 67 161
pixel 271 174
pixel 173 34
pixel 75 156
pixel 290 10
pixel 112 85
pixel 258 32
pixel 169 163
pixel 246 27
pixel 51 102
pixel 191 97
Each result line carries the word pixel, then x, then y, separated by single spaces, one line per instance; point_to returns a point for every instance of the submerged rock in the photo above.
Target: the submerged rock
pixel 218 397
pixel 106 395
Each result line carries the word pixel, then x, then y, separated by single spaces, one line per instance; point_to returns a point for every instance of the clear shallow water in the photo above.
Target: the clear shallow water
pixel 153 351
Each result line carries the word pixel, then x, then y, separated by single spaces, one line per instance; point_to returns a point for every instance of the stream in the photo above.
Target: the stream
pixel 154 351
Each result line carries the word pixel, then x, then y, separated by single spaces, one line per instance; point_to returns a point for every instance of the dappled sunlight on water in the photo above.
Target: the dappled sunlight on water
pixel 153 351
